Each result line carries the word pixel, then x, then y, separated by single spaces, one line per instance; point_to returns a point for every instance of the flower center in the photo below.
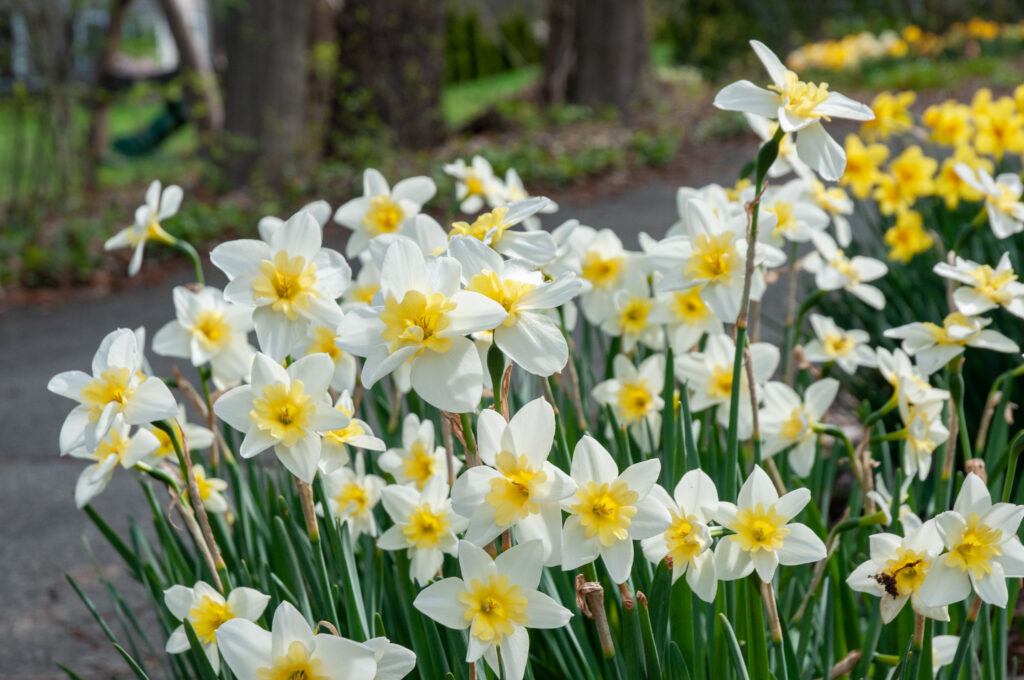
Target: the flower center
pixel 324 341
pixel 786 219
pixel 1006 199
pixel 511 496
pixel 114 444
pixel 714 258
pixel 207 616
pixel 203 483
pixel 383 217
pixel 353 499
pixel 507 292
pixel 842 264
pixel 283 411
pixel 287 282
pixel 365 293
pixel 491 223
pixel 474 187
pixel 906 571
pixel 633 317
pixel 425 527
pixel 420 465
pixel 801 98
pixel 759 529
pixel 795 425
pixel 838 344
pixel 606 510
pixel 417 320
pixel 991 283
pixel 212 331
pixel 494 607
pixel 976 547
pixel 111 386
pixel 345 434
pixel 634 401
pixel 683 539
pixel 720 384
pixel 688 307
pixel 602 272
pixel 294 665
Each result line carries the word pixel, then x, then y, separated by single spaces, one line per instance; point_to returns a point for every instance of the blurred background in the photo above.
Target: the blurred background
pixel 256 106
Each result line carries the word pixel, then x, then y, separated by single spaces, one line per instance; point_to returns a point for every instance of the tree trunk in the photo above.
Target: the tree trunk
pixel 99 99
pixel 390 72
pixel 598 52
pixel 205 104
pixel 265 90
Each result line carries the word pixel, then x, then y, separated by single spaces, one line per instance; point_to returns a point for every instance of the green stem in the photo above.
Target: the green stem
pixel 190 252
pixel 467 433
pixel 1016 446
pixel 965 640
pixel 496 367
pixel 956 389
pixel 880 413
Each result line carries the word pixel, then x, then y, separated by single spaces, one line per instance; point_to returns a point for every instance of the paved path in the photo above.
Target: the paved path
pixel 41 533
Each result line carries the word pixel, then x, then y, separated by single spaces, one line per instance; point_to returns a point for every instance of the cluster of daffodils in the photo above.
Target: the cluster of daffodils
pixel 486 428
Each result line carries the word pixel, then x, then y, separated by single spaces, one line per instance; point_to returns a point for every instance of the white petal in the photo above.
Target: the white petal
pixel 245 647
pixel 800 546
pixel 944 584
pixel 592 462
pixel 544 612
pixel 731 562
pixel 618 560
pixel 452 381
pixel 302 459
pixel 744 96
pixel 816 148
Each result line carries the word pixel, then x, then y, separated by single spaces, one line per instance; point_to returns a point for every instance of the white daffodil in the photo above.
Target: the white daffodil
pixel 355 433
pixel 799 107
pixel 1002 198
pixel 394 662
pixel 210 489
pixel 117 385
pixel 708 375
pixel 714 257
pixel 324 340
pixel 688 319
pixel 527 336
pixel 116 448
pixel 290 281
pixel 934 346
pixel 764 537
pixel 943 650
pixel 382 209
pixel 366 284
pixel 352 495
pixel 286 409
pixel 515 191
pixel 158 207
pixel 848 349
pixel 496 600
pixel 925 432
pixel 425 526
pixel 609 510
pixel 795 217
pixel 206 609
pixel 516 486
pixel 208 329
pixel 984 550
pixel 837 203
pixel 494 229
pixel 687 541
pixel 475 184
pixel 984 288
pixel 636 315
pixel 599 259
pixel 788 160
pixel 417 461
pixel 788 421
pixel 880 495
pixel 291 650
pixel 834 271
pixel 897 570
pixel 906 378
pixel 423 315
pixel 635 395
pixel 320 210
pixel 718 199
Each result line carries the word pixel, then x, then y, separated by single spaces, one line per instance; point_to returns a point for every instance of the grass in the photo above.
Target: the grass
pixel 928 73
pixel 462 101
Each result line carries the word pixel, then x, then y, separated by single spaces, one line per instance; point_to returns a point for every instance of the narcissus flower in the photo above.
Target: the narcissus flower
pixel 609 510
pixel 687 541
pixel 356 433
pixel 496 600
pixel 892 115
pixel 425 525
pixel 897 570
pixel 907 237
pixel 799 107
pixel 116 386
pixel 833 270
pixel 475 184
pixel 494 229
pixel 516 486
pixel 423 316
pixel 290 650
pixel 417 461
pixel 764 537
pixel 116 448
pixel 983 548
pixel 210 489
pixel 290 281
pixel 1002 198
pixel 352 495
pixel 394 662
pixel 287 409
pixel 984 288
pixel 636 315
pixel 382 209
pixel 599 259
pixel 909 381
pixel 848 349
pixel 863 165
pixel 795 215
pixel 934 346
pixel 208 329
pixel 635 395
pixel 158 207
pixel 206 609
pixel 948 183
pixel 925 431
pixel 324 340
pixel 788 421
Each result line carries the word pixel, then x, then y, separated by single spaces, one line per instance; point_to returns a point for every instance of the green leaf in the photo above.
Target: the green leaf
pixel 735 654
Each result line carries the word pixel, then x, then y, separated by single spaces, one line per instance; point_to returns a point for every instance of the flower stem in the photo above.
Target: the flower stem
pixel 190 252
pixel 965 639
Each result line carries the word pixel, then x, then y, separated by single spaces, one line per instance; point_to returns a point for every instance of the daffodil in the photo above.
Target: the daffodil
pixel 117 386
pixel 687 540
pixel 725 204
pixel 528 335
pixel 290 650
pixel 934 346
pixel 496 600
pixel 984 288
pixel 998 125
pixel 925 432
pixel 494 229
pixel 394 662
pixel 210 489
pixel 897 569
pixel 319 210
pixel 907 378
pixel 425 526
pixel 688 318
pixel 422 315
pixel 833 270
pixel 836 203
pixel 1002 198
pixel 352 494
pixel 789 421
pixel 208 329
pixel 289 281
pixel 365 286
pixel 634 394
pixel 636 315
pixel 515 191
pixel 159 206
pixel 206 609
pixel 787 161
pixel 863 165
pixel 892 115
pixel 475 184
pixel 324 340
pixel 382 209
pixel 763 535
pixel 599 259
pixel 983 548
pixel 848 349
pixel 910 176
pixel 880 495
pixel 907 237
pixel 515 487
pixel 799 107
pixel 609 510
pixel 196 437
pixel 116 448
pixel 417 460
pixel 796 217
pixel 951 186
pixel 355 433
pixel 949 123
pixel 284 408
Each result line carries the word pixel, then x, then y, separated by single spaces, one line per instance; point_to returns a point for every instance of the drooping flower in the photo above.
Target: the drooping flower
pixel 609 510
pixel 764 537
pixel 116 448
pixel 687 541
pixel 985 288
pixel 799 107
pixel 159 206
pixel 210 489
pixel 788 421
pixel 352 495
pixel 417 461
pixel 382 209
pixel 833 270
pixel 290 650
pixel 848 349
pixel 934 346
pixel 925 432
pixel 206 609
pixel 355 433
pixel 496 600
pixel 635 395
pixel 284 408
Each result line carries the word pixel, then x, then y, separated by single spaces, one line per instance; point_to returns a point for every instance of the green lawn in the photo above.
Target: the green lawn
pixel 462 101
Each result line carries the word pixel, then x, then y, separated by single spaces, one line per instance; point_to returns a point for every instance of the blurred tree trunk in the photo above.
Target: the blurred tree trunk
pixel 265 86
pixel 598 52
pixel 206 107
pixel 390 72
pixel 99 98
